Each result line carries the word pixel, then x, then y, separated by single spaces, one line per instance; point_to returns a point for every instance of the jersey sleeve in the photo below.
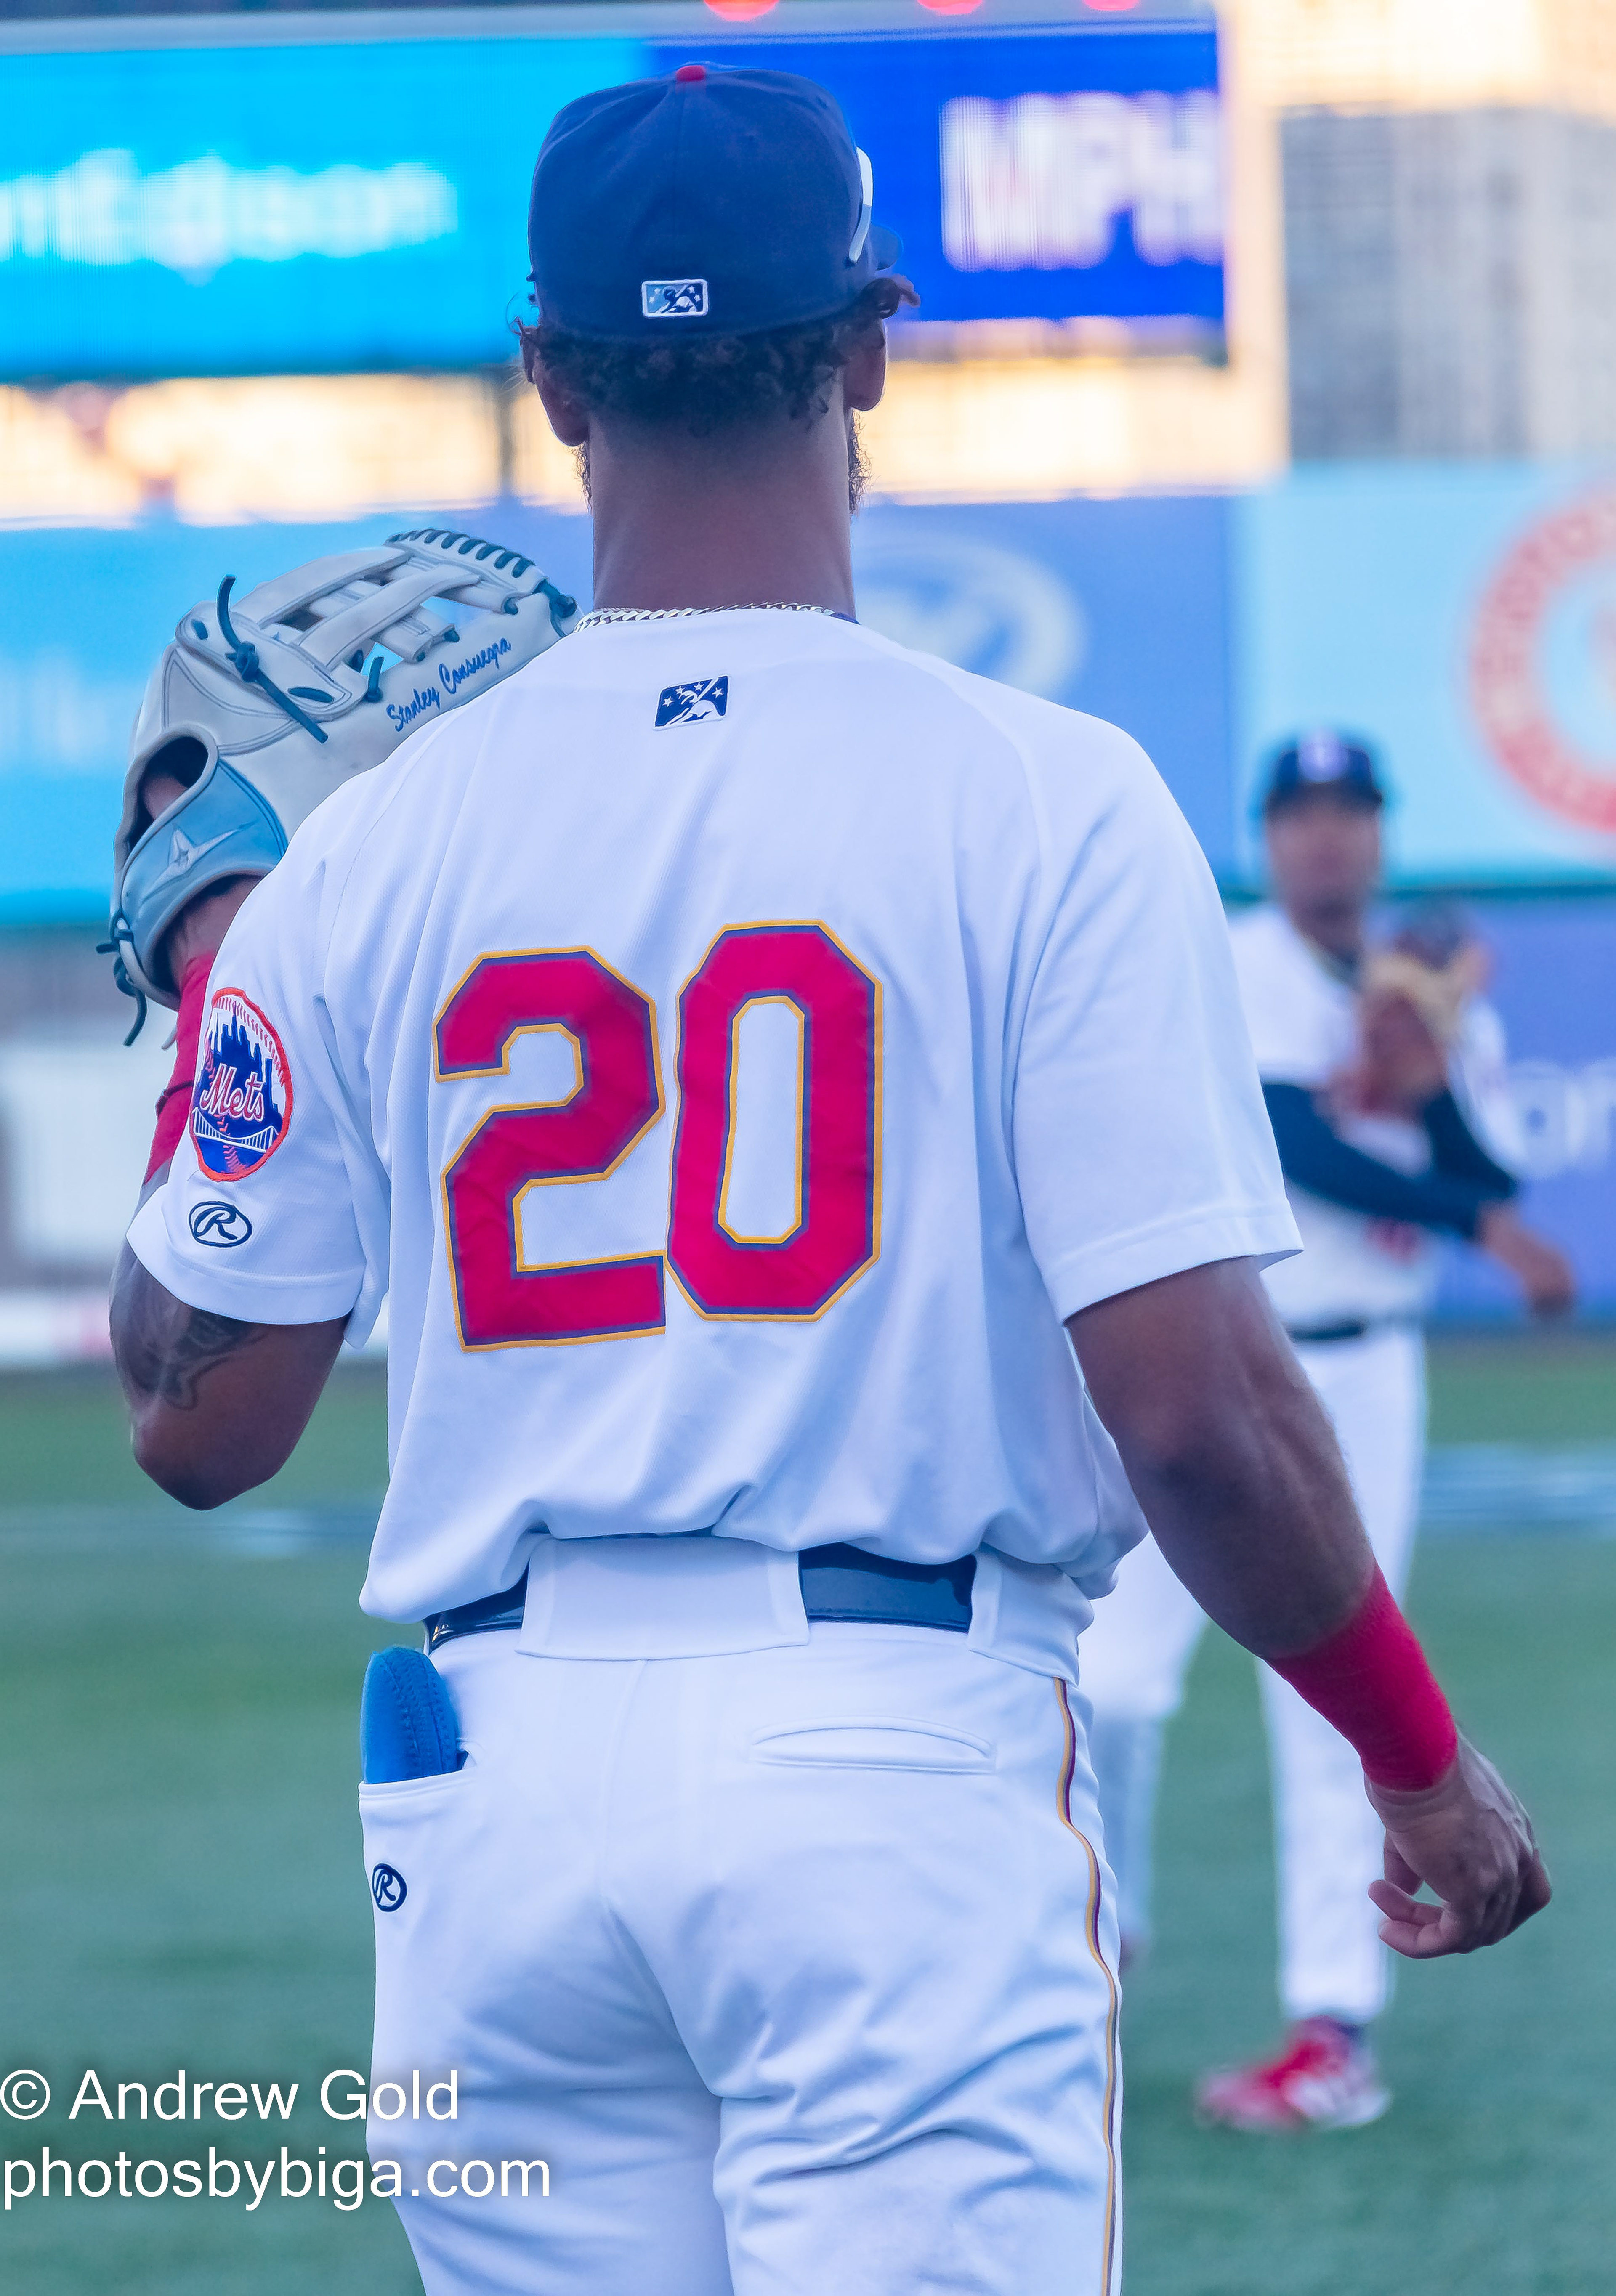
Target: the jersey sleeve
pixel 261 1214
pixel 1141 1142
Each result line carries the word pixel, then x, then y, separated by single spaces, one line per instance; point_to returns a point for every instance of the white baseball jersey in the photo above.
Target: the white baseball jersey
pixel 735 1044
pixel 1303 1019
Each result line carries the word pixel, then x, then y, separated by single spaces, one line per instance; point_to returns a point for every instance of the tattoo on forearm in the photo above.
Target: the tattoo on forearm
pixel 165 1348
pixel 205 1342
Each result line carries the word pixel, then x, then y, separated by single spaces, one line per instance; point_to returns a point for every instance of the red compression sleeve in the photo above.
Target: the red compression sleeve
pixel 174 1101
pixel 1370 1678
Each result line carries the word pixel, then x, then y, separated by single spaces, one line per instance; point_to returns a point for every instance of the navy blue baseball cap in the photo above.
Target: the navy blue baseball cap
pixel 1323 759
pixel 713 203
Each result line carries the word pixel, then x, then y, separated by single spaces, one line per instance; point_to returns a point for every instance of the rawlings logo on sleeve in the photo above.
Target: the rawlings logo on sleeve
pixel 220 1225
pixel 241 1104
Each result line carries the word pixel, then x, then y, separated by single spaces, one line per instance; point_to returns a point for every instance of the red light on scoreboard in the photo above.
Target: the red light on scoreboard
pixel 951 7
pixel 1110 7
pixel 738 11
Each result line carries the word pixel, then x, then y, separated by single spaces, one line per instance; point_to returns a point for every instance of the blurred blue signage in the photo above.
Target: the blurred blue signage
pixel 269 205
pixel 1068 600
pixel 1463 618
pixel 205 211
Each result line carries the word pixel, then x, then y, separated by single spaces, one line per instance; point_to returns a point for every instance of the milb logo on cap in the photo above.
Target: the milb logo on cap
pixel 674 298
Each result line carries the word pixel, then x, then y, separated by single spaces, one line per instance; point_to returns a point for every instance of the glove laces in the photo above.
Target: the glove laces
pixel 245 660
pixel 120 971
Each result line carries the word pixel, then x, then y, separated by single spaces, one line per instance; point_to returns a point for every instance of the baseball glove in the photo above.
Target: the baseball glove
pixel 1411 1005
pixel 264 707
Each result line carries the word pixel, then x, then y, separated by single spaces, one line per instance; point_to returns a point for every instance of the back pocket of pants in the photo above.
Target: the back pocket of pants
pixel 872 1743
pixel 428 1792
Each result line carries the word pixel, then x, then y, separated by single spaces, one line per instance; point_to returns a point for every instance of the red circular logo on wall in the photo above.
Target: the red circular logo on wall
pixel 1542 627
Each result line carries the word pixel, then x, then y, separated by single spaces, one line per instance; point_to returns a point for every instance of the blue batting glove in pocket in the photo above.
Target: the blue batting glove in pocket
pixel 407 1724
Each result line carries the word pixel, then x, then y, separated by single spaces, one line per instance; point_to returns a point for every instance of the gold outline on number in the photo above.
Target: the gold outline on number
pixel 502 1067
pixel 877 1114
pixel 776 997
pixel 547 1180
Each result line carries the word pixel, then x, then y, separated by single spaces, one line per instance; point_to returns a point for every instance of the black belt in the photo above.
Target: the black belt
pixel 838 1582
pixel 844 1582
pixel 1323 1336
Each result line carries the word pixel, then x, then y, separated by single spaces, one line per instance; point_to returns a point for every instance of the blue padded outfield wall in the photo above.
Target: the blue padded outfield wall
pixel 1462 618
pixel 1117 608
pixel 1465 620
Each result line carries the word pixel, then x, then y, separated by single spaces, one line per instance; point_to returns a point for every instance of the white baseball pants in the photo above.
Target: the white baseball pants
pixel 794 1966
pixel 1135 1658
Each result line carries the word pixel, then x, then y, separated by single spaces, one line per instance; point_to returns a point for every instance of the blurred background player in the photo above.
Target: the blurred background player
pixel 1384 1072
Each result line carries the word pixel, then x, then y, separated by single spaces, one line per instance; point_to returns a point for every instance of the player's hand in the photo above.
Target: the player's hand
pixel 1470 1841
pixel 1543 1272
pixel 203 923
pixel 1401 1065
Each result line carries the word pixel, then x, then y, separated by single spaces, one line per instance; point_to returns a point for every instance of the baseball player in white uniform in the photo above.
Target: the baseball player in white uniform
pixel 1380 1069
pixel 751 1056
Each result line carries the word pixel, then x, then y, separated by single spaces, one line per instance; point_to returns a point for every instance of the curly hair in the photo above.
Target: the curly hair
pixel 707 384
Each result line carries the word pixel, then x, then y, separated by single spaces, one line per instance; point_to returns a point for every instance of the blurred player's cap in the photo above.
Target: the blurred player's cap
pixel 714 203
pixel 1323 759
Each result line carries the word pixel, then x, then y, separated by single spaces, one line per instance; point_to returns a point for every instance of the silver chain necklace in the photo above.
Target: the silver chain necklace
pixel 673 613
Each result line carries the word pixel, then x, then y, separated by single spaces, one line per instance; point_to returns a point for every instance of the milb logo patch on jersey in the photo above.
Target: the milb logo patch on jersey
pixel 241 1102
pixel 703 697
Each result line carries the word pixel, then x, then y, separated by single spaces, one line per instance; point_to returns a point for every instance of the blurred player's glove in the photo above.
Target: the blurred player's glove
pixel 1438 993
pixel 1411 1005
pixel 263 707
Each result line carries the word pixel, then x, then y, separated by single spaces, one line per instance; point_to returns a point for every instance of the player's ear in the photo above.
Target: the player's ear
pixel 567 416
pixel 864 378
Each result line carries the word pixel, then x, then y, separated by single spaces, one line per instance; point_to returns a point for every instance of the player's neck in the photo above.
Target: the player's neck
pixel 756 518
pixel 1336 928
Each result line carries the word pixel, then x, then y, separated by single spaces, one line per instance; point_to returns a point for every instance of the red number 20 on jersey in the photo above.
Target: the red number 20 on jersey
pixel 499 1300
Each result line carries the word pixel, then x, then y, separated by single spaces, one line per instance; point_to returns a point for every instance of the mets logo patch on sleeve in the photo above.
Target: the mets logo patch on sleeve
pixel 703 697
pixel 241 1104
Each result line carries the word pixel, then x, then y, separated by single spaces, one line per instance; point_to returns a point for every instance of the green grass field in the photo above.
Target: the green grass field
pixel 182 1887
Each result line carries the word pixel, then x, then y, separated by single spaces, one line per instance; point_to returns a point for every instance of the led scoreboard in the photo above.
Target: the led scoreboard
pixel 288 193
